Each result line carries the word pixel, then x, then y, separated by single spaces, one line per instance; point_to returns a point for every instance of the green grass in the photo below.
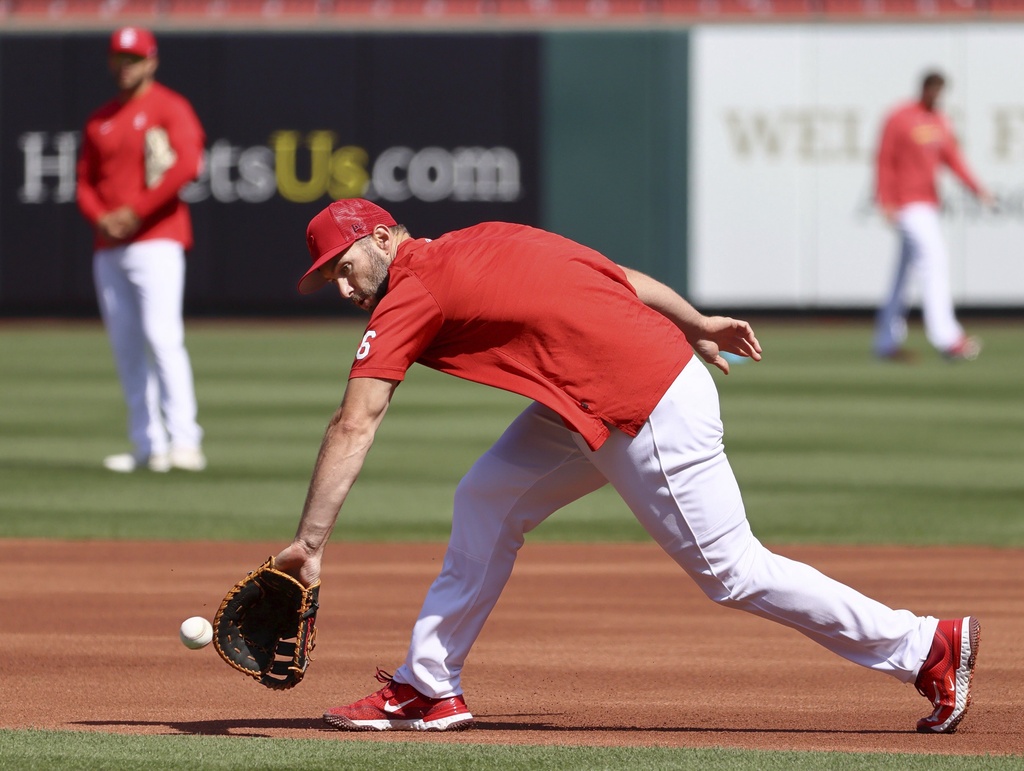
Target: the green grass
pixel 829 445
pixel 29 750
pixel 266 393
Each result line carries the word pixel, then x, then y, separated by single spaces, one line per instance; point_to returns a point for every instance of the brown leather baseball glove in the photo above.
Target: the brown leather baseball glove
pixel 266 626
pixel 159 156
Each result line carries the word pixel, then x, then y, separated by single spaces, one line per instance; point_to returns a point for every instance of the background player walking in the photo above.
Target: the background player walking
pixel 607 355
pixel 916 140
pixel 138 151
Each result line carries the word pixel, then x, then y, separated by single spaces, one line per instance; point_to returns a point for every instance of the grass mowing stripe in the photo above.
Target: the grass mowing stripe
pixel 30 750
pixel 828 445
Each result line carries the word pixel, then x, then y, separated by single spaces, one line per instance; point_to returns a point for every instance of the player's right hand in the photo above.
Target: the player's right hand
pixel 118 225
pixel 723 334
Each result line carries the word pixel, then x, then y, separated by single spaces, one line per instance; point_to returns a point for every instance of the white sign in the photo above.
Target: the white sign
pixel 785 125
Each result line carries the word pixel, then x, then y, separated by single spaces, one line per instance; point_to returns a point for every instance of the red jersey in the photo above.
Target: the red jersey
pixel 530 312
pixel 914 142
pixel 111 166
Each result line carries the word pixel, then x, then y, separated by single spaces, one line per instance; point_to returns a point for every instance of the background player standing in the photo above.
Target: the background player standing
pixel 625 402
pixel 916 139
pixel 138 151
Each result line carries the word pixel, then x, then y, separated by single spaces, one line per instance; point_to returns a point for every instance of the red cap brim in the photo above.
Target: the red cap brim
pixel 313 279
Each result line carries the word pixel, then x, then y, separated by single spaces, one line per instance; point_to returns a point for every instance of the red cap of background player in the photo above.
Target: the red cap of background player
pixel 133 40
pixel 335 229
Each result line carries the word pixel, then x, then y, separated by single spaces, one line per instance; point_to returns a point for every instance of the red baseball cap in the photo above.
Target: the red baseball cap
pixel 335 229
pixel 133 40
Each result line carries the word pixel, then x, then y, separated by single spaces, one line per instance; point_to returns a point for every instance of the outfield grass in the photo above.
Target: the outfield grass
pixel 832 446
pixel 829 445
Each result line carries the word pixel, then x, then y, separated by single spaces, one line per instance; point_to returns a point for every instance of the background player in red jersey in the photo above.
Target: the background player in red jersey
pixel 606 353
pixel 138 151
pixel 916 140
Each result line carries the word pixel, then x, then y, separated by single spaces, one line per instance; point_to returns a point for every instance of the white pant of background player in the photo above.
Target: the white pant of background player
pixel 922 251
pixel 140 288
pixel 677 481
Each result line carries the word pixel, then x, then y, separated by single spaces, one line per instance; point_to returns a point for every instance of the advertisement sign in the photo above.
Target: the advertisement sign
pixel 442 130
pixel 785 127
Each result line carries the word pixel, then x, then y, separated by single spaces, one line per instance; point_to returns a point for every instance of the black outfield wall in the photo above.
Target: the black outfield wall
pixel 443 130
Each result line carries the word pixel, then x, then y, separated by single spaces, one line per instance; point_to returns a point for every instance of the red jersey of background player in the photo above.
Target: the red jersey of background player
pixel 111 168
pixel 915 141
pixel 530 312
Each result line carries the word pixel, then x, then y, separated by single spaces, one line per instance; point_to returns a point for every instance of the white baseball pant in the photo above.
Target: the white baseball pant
pixel 922 250
pixel 676 479
pixel 140 289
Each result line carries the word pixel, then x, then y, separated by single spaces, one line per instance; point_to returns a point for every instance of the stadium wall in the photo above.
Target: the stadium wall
pixel 443 129
pixel 732 161
pixel 785 124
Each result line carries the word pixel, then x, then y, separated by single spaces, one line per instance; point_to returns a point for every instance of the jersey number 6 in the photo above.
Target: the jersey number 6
pixel 364 347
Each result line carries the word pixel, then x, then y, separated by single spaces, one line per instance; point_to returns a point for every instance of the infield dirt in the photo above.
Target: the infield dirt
pixel 596 645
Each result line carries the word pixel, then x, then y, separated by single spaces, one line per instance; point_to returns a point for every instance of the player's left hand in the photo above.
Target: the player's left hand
pixel 721 334
pixel 299 563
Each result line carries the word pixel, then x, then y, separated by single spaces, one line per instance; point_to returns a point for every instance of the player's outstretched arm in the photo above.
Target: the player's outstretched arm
pixel 710 336
pixel 346 442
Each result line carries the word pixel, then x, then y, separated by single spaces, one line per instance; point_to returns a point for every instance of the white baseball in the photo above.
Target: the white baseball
pixel 195 632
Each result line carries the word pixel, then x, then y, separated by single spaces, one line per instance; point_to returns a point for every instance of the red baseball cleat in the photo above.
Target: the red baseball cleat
pixel 945 677
pixel 400 707
pixel 965 349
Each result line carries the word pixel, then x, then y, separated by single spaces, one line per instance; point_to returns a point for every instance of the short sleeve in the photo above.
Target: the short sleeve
pixel 401 328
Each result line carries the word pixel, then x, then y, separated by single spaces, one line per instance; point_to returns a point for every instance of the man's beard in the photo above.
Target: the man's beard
pixel 378 278
pixel 382 289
